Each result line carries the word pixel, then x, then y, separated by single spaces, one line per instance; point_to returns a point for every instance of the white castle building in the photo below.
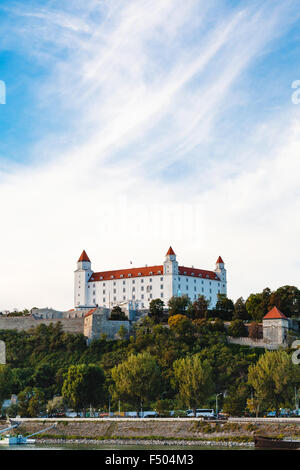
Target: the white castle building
pixel 138 286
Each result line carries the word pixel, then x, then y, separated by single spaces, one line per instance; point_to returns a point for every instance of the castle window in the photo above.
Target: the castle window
pixel 150 296
pixel 103 291
pixel 121 275
pixel 133 297
pixel 133 281
pixel 115 298
pixel 142 280
pixel 192 274
pixel 150 273
pixel 103 299
pixel 112 276
pixel 150 280
pixel 161 278
pixel 158 272
pixel 161 286
pixel 139 274
pixel 133 289
pixel 114 283
pixel 142 296
pixel 200 275
pixel 94 292
pixel 124 283
pixel 129 275
pixel 101 277
pixel 161 294
pixel 142 287
pixel 124 290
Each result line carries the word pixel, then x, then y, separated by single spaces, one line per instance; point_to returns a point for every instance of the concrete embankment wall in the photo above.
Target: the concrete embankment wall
pixel 149 428
pixel 71 325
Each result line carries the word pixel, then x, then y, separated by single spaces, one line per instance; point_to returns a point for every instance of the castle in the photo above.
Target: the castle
pixel 136 287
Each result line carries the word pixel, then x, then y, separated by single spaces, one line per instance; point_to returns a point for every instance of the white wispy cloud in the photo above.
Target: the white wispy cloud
pixel 142 85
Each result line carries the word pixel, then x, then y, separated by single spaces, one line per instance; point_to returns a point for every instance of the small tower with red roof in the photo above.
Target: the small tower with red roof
pixel 221 272
pixel 275 327
pixel 81 278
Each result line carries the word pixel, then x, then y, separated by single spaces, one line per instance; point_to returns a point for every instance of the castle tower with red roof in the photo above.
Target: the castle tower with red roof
pixel 275 327
pixel 81 278
pixel 138 286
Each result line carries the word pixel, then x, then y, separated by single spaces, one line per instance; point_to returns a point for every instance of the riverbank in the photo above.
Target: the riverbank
pixel 149 431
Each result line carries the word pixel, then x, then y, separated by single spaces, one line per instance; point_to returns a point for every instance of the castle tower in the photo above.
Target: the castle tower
pixel 275 326
pixel 170 264
pixel 221 272
pixel 81 277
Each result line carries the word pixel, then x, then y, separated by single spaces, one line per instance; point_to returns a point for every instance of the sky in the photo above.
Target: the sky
pixel 132 126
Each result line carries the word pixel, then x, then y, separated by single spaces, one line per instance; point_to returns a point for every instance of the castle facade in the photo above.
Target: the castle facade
pixel 136 287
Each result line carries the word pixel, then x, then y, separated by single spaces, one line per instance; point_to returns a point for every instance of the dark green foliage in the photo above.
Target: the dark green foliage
pixel 117 314
pixel 224 308
pixel 237 329
pixel 179 305
pixel 156 309
pixel 240 311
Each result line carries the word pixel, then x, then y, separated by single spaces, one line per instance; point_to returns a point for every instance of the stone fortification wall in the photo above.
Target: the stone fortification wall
pixel 71 325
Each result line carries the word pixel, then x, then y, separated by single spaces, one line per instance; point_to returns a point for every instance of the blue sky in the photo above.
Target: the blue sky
pixel 130 126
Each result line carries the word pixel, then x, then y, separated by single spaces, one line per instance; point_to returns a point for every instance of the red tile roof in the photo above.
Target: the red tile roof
pixel 219 260
pixel 134 272
pixel 151 271
pixel 84 257
pixel 170 251
pixel 183 271
pixel 274 313
pixel 90 312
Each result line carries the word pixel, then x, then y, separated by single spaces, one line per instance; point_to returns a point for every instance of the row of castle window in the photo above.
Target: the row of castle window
pixel 150 280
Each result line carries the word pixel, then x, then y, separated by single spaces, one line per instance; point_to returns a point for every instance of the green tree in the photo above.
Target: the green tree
pixel 84 386
pixel 136 380
pixel 36 403
pixel 240 311
pixel 286 299
pixel 237 329
pixel 224 308
pixel 236 400
pixel 117 314
pixel 23 400
pixel 6 382
pixel 193 381
pixel 198 308
pixel 156 309
pixel 273 378
pixel 178 305
pixel 257 305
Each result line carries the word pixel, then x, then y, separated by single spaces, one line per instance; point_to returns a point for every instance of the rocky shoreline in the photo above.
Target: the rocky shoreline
pixel 145 442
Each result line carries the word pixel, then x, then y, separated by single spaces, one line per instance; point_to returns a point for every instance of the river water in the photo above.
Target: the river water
pixel 81 447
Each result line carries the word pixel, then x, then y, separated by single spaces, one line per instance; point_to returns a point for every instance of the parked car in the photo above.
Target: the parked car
pixel 201 412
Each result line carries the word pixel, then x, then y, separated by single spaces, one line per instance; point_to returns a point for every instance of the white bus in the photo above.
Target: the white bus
pixel 201 412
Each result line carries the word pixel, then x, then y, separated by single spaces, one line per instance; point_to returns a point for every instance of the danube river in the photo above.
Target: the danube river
pixel 67 446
